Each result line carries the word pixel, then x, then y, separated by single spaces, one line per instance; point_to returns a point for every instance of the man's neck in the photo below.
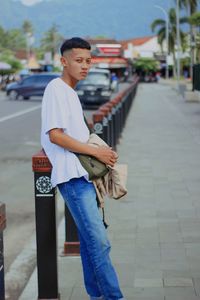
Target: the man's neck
pixel 69 80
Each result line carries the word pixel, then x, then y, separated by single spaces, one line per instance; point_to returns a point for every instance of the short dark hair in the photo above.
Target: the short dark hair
pixel 74 42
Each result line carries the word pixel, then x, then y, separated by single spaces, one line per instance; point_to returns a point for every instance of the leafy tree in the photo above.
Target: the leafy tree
pixel 160 26
pixel 146 64
pixel 27 27
pixel 51 40
pixel 15 40
pixel 2 38
pixel 191 7
pixel 195 21
pixel 8 57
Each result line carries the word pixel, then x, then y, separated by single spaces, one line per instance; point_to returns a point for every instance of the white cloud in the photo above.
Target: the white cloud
pixel 30 2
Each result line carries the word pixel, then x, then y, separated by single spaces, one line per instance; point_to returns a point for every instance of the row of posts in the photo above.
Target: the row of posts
pixel 108 123
pixel 2 227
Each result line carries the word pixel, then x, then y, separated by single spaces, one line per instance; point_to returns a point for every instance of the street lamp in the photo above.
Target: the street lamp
pixel 178 42
pixel 167 38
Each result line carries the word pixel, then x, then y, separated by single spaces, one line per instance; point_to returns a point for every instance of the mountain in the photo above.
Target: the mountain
pixel 120 19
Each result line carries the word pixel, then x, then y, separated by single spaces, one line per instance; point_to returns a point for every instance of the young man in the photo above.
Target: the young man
pixel 64 133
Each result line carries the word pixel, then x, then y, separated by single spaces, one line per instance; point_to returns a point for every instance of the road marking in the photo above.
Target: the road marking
pixel 20 113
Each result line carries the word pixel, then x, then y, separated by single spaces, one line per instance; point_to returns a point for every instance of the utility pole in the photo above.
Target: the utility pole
pixel 178 43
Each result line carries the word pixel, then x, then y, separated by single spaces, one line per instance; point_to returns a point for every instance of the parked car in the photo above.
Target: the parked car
pixel 33 85
pixel 96 89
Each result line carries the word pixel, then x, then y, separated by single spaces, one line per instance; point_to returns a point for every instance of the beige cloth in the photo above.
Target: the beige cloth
pixel 112 184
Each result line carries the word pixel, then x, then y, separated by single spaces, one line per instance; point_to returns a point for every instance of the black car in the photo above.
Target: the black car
pixel 96 89
pixel 33 85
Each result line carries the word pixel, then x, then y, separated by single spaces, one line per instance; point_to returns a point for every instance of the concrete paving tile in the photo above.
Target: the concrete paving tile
pixel 79 293
pixel 196 281
pixel 148 282
pixel 148 273
pixel 172 253
pixel 182 297
pixel 152 293
pixel 192 250
pixel 147 223
pixel 189 213
pixel 177 273
pixel 174 265
pixel 167 237
pixel 179 292
pixel 125 272
pixel 192 238
pixel 167 214
pixel 178 281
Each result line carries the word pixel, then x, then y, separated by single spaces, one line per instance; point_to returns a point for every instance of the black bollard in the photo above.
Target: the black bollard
pixel 72 244
pixel 98 123
pixel 2 227
pixel 46 228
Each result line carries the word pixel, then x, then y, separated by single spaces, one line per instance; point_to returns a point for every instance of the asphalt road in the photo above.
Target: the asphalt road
pixel 20 139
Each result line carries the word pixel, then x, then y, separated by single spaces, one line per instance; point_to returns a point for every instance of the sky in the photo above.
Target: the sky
pixel 30 2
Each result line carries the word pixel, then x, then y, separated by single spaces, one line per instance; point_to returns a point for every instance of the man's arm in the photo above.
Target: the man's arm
pixel 104 154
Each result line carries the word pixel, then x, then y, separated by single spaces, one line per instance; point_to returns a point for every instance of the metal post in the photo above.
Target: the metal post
pixel 72 244
pixel 105 110
pixel 46 229
pixel 98 123
pixel 178 44
pixel 2 227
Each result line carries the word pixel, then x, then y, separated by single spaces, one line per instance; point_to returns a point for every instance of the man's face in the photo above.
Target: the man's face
pixel 77 63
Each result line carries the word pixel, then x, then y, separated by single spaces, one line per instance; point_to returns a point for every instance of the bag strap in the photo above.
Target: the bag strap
pixel 86 122
pixel 103 211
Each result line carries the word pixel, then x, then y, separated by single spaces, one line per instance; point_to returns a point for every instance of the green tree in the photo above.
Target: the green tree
pixel 194 20
pixel 146 64
pixel 159 25
pixel 51 40
pixel 2 38
pixel 27 27
pixel 15 40
pixel 191 7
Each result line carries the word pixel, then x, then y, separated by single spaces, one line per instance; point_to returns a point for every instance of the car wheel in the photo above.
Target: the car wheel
pixel 13 95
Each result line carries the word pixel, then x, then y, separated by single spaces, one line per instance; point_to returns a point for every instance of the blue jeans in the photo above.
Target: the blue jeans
pixel 99 275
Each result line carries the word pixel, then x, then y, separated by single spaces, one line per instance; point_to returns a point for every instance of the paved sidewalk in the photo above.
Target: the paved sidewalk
pixel 155 230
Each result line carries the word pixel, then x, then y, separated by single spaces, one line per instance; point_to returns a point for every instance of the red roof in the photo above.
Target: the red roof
pixel 135 42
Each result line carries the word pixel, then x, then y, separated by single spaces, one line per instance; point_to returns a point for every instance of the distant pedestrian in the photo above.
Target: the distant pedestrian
pixel 64 133
pixel 114 81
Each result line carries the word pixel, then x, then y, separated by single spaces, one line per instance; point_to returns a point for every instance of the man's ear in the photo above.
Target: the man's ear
pixel 63 61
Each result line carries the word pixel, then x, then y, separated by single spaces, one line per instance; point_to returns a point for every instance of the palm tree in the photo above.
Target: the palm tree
pixel 191 8
pixel 27 27
pixel 190 5
pixel 51 40
pixel 160 25
pixel 195 21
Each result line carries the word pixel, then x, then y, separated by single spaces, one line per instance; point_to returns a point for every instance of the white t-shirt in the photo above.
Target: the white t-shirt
pixel 61 108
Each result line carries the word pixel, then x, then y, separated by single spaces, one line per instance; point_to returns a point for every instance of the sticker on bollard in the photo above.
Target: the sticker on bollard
pixel 43 186
pixel 105 121
pixel 98 127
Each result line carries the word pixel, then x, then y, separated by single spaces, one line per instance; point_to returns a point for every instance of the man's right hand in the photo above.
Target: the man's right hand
pixel 106 155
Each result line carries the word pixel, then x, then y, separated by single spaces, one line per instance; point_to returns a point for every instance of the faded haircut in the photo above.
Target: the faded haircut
pixel 74 42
